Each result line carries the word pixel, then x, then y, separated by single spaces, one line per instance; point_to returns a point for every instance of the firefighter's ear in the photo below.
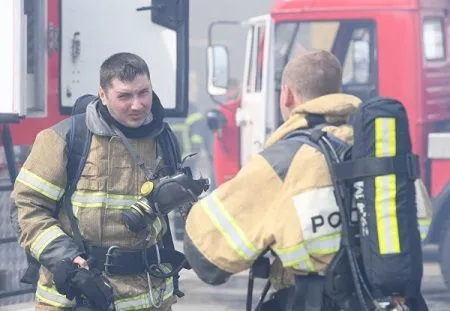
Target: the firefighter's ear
pixel 287 96
pixel 102 94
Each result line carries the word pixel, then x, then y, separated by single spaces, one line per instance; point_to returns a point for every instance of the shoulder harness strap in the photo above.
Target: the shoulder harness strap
pixel 312 136
pixel 172 158
pixel 170 147
pixel 78 145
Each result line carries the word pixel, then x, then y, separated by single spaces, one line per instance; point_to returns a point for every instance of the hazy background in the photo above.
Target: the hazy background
pixel 202 13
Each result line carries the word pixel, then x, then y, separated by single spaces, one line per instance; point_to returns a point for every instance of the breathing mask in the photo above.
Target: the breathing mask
pixel 163 195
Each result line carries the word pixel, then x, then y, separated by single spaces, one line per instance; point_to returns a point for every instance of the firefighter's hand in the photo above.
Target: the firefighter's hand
pixel 81 262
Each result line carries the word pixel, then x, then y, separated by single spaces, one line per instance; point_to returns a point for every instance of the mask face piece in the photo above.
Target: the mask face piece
pixel 163 195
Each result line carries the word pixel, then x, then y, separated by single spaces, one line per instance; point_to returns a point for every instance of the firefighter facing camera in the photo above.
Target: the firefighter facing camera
pixel 163 195
pixel 70 195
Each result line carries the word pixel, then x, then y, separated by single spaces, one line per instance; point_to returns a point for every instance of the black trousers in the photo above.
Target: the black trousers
pixel 306 295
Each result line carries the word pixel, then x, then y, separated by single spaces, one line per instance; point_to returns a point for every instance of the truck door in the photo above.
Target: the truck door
pixel 12 71
pixel 256 116
pixel 91 31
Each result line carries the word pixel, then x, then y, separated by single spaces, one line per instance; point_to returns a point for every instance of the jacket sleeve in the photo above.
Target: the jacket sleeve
pixel 39 185
pixel 228 229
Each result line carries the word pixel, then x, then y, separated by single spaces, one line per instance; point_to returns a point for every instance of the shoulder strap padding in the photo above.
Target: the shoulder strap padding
pixel 170 148
pixel 172 159
pixel 80 105
pixel 78 145
pixel 312 136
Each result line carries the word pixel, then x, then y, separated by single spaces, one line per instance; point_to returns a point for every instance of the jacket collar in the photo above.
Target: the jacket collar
pixel 331 109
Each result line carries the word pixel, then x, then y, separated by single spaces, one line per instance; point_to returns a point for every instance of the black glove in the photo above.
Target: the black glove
pixel 73 281
pixel 63 276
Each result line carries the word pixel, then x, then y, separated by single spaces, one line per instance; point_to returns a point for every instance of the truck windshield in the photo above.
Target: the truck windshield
pixel 351 41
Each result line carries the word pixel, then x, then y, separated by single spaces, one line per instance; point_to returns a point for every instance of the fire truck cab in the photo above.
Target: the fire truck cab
pixel 398 49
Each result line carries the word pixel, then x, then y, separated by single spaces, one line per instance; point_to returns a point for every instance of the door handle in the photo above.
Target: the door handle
pixel 76 47
pixel 258 144
pixel 241 117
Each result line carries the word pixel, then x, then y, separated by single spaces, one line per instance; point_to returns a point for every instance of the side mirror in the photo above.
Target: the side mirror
pixel 218 70
pixel 215 120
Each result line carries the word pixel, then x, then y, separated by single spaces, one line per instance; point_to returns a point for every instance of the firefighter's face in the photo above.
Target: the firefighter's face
pixel 129 103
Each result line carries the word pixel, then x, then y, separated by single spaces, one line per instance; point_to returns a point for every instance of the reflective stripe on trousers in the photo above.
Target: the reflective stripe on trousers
pixel 144 301
pixel 50 296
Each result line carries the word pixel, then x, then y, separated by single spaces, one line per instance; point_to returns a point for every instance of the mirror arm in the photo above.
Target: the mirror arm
pixel 150 7
pixel 214 99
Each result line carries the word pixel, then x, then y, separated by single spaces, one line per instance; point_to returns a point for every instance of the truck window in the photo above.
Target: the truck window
pixel 36 61
pixel 256 63
pixel 352 42
pixel 433 39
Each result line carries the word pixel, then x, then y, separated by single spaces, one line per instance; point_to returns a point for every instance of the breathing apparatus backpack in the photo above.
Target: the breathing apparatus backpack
pixel 377 177
pixel 379 264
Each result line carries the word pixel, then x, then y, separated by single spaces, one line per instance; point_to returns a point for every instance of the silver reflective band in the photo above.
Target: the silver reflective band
pixel 51 297
pixel 102 199
pixel 291 257
pixel 228 227
pixel 299 255
pixel 40 185
pixel 44 239
pixel 324 245
pixel 142 301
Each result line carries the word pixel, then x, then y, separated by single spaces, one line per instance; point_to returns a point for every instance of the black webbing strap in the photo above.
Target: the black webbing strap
pixel 312 136
pixel 364 167
pixel 78 145
pixel 149 175
pixel 378 166
pixel 122 261
pixel 172 159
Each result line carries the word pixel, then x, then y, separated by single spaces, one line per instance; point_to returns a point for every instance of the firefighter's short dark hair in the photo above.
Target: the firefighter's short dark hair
pixel 123 66
pixel 313 73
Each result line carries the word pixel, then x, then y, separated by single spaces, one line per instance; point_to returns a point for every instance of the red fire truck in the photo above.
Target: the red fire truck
pixel 53 53
pixel 390 48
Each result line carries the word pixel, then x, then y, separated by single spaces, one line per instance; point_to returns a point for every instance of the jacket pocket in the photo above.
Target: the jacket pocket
pixel 89 179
